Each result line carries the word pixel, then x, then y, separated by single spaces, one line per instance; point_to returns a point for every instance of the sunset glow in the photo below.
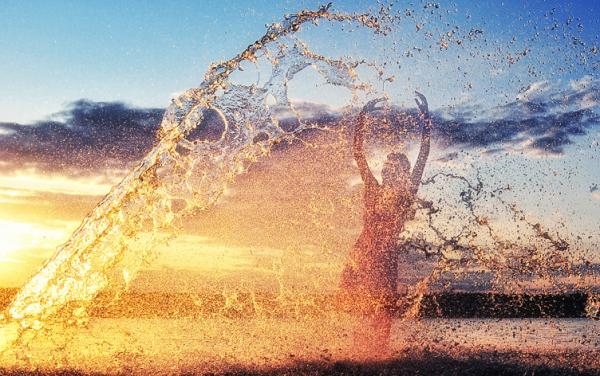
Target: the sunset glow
pixel 367 187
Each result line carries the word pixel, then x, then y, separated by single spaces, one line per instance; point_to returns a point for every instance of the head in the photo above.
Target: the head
pixel 396 169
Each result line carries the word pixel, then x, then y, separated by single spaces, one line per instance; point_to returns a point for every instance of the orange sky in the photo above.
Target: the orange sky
pixel 260 227
pixel 287 223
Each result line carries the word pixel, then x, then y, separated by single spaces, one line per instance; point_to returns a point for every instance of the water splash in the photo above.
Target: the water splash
pixel 180 176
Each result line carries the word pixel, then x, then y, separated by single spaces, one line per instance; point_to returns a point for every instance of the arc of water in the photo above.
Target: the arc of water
pixel 79 269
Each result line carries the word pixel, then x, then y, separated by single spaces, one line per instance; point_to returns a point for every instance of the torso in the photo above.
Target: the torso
pixel 386 211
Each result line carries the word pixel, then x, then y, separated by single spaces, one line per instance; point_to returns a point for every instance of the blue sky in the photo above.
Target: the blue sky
pixel 56 52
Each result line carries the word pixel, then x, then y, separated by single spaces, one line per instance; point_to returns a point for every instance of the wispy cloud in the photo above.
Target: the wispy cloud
pixel 24 182
pixel 534 91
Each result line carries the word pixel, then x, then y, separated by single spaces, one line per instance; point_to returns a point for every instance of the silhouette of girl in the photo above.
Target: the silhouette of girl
pixel 371 273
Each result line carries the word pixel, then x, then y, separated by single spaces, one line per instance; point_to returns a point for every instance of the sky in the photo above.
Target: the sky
pixel 142 52
pixel 512 84
pixel 137 52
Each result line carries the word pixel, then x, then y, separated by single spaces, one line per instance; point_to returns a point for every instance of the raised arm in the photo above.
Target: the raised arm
pixel 358 145
pixel 425 123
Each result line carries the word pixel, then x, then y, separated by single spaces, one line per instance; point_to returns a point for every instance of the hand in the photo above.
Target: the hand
pixel 426 204
pixel 370 106
pixel 423 106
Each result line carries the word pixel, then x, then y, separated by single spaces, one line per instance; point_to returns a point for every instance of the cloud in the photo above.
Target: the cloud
pixel 89 137
pixel 542 120
pixel 582 84
pixel 26 181
pixel 538 132
pixel 92 136
pixel 533 91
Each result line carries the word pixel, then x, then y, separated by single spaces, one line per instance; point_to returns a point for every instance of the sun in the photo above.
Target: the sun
pixel 13 237
pixel 25 245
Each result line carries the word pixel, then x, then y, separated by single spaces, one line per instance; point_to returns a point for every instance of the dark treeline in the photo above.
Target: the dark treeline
pixel 438 305
pixel 480 305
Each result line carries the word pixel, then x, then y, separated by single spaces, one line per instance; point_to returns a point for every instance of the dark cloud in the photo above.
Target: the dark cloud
pixel 549 133
pixel 542 118
pixel 92 136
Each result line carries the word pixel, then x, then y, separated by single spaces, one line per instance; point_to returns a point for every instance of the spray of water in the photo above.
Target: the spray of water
pixel 180 176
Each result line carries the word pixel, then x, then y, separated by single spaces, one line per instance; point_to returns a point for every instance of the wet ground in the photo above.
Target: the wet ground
pixel 312 346
pixel 422 364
